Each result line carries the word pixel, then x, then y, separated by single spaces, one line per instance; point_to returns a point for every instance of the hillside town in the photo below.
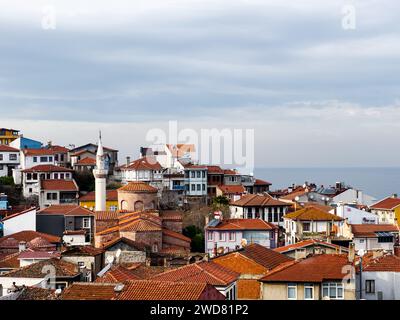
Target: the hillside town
pixel 78 223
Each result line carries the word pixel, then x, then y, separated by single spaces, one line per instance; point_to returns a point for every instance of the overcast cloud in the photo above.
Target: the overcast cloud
pixel 315 93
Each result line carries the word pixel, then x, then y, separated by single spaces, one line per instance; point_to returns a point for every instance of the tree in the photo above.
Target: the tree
pixel 7 181
pixel 197 236
pixel 85 181
pixel 221 203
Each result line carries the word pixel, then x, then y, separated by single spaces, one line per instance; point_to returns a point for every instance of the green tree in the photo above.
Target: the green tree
pixel 221 203
pixel 7 181
pixel 85 181
pixel 197 237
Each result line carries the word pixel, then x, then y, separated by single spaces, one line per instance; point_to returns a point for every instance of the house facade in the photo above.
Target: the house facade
pixel 256 206
pixel 145 169
pixel 196 180
pixel 223 236
pixel 372 237
pixel 8 135
pixel 9 160
pixel 388 210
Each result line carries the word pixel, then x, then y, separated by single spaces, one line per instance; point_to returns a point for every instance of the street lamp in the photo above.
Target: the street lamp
pixel 361 253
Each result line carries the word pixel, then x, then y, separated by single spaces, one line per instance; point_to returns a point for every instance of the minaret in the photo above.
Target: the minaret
pixel 100 174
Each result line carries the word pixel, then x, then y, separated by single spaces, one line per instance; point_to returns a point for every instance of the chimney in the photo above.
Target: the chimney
pixel 300 254
pixel 128 160
pixel 22 246
pixel 396 250
pixel 352 252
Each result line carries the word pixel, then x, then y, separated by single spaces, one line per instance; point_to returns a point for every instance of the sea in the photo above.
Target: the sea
pixel 378 182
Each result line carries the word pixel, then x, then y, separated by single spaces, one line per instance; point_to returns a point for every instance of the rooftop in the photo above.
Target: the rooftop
pixel 59 185
pixel 307 243
pixel 242 224
pixel 47 168
pixel 257 200
pixel 29 235
pixel 387 204
pixel 312 214
pixel 66 210
pixel 386 263
pixel 111 195
pixel 371 230
pixel 145 163
pixel 138 186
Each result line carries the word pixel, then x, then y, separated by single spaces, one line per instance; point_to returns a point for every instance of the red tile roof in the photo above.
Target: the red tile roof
pixel 82 251
pixel 181 149
pixel 243 224
pixel 231 189
pixel 312 214
pixel 307 243
pixel 173 234
pixel 66 210
pixel 260 182
pixel 86 162
pixel 117 274
pixel 10 261
pixel 5 148
pixel 30 254
pixel 171 215
pixel 266 257
pixel 369 230
pixel 29 235
pixel 387 204
pixel 208 272
pixel 145 163
pixel 163 290
pixel 215 170
pixel 47 168
pixel 256 200
pixel 386 263
pixel 57 149
pixel 89 291
pixel 138 186
pixel 111 195
pixel 35 270
pixel 59 185
pixel 229 172
pixel 18 214
pixel 314 269
pixel 38 152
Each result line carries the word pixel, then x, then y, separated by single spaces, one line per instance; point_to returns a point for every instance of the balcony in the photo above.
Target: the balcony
pixel 178 188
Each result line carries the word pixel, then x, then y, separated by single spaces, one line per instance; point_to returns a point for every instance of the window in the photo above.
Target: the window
pixel 292 291
pixel 209 236
pixel 231 236
pixel 56 176
pixel 385 239
pixel 50 159
pixel 306 226
pixel 34 159
pixel 56 157
pixel 30 190
pixel 1 157
pixel 86 223
pixel 333 290
pixel 204 187
pixel 29 176
pixel 193 174
pixel 81 264
pixel 198 174
pixel 43 159
pixel 13 157
pixel 369 286
pixel 193 187
pixel 308 291
pixel 221 236
pixel 62 176
pixel 204 174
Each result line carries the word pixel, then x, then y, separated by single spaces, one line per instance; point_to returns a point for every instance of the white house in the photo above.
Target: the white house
pixel 310 223
pixel 21 221
pixel 372 237
pixel 353 196
pixel 9 160
pixel 196 180
pixel 256 206
pixel 169 155
pixel 145 169
pixel 222 236
pixel 354 215
pixel 380 279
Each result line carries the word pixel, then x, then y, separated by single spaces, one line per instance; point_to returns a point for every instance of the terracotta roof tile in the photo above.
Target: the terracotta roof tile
pixel 314 269
pixel 312 214
pixel 145 163
pixel 29 235
pixel 47 168
pixel 208 272
pixel 59 185
pixel 5 148
pixel 386 263
pixel 307 243
pixel 86 162
pixel 10 261
pixel 163 290
pixel 387 204
pixel 266 257
pixel 173 234
pixel 35 270
pixel 370 230
pixel 243 224
pixel 256 200
pixel 138 186
pixel 18 214
pixel 117 274
pixel 231 189
pixel 89 291
pixel 35 293
pixel 66 210
pixel 259 182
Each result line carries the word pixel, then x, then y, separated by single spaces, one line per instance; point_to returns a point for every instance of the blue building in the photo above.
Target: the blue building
pixel 3 201
pixel 26 143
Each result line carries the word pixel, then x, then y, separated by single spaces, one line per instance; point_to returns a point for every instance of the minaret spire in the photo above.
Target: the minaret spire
pixel 100 174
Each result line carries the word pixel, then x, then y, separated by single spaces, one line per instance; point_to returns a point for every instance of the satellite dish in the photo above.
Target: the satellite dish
pixel 361 252
pixel 243 242
pixel 220 250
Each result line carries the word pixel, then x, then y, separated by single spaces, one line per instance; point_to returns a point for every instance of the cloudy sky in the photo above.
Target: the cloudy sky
pixel 316 92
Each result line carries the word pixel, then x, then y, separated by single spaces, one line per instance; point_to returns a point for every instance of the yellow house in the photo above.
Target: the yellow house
pixel 88 200
pixel 8 135
pixel 388 210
